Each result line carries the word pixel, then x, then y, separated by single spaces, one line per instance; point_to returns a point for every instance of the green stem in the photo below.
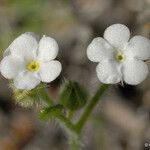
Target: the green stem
pixel 43 93
pixel 90 106
pixel 56 111
pixel 75 144
pixel 74 136
pixel 70 114
pixel 67 123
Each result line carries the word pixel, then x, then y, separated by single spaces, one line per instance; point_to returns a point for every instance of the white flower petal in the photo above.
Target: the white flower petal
pixel 11 66
pixel 26 80
pixel 134 71
pixel 108 72
pixel 50 70
pixel 24 46
pixel 99 49
pixel 6 52
pixel 139 47
pixel 34 36
pixel 117 35
pixel 48 49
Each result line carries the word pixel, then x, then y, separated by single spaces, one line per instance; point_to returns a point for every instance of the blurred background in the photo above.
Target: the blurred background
pixel 121 121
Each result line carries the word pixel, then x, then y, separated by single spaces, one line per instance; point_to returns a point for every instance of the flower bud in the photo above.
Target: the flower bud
pixel 73 96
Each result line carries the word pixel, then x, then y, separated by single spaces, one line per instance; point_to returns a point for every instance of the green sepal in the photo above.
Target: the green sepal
pixel 23 98
pixel 26 98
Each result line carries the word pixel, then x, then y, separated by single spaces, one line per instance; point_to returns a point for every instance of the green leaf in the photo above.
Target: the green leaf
pixel 73 96
pixel 50 112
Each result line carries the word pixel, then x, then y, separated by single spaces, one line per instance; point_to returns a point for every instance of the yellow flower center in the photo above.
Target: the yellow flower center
pixel 120 57
pixel 33 66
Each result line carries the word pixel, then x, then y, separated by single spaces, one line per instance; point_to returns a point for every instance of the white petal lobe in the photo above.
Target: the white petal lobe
pixel 99 49
pixel 48 49
pixel 117 35
pixel 108 72
pixel 11 66
pixel 50 71
pixel 134 71
pixel 26 81
pixel 139 47
pixel 25 46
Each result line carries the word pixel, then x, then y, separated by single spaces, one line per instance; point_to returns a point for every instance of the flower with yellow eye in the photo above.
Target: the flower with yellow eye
pixel 120 58
pixel 28 61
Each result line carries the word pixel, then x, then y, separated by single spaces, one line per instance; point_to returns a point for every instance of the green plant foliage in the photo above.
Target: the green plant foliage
pixel 73 96
pixel 50 112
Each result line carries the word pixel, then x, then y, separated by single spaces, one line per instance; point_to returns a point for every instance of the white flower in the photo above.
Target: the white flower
pixel 120 58
pixel 28 61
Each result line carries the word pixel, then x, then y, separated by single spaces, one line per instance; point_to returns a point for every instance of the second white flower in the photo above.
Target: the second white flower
pixel 120 58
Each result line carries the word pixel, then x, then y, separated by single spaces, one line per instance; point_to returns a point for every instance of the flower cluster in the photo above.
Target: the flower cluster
pixel 30 60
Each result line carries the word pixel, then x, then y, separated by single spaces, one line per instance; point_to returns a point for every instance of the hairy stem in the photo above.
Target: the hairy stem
pixel 75 144
pixel 90 106
pixel 66 122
